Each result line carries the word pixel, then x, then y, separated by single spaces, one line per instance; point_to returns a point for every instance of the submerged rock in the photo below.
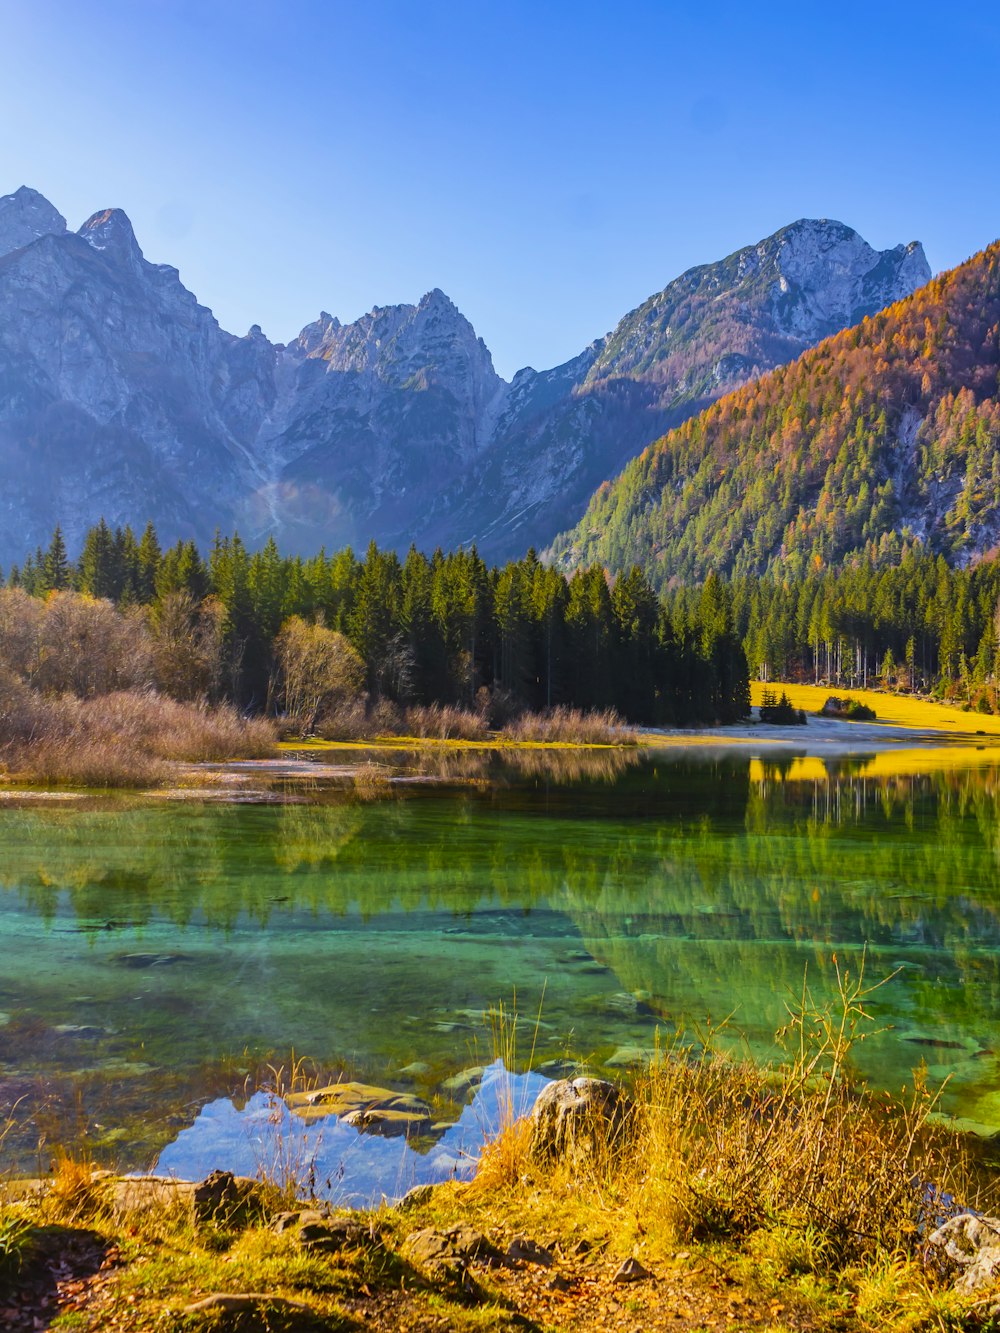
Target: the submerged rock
pixel 579 1119
pixel 372 1109
pixel 464 1082
pixel 628 1057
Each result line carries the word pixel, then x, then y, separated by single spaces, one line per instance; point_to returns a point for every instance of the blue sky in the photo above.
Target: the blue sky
pixel 547 164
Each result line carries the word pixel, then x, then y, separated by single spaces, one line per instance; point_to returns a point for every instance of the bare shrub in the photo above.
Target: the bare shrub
pixel 88 648
pixel 320 670
pixel 727 1149
pixel 570 726
pixel 187 645
pixel 346 720
pixel 118 740
pixel 442 722
pixel 21 618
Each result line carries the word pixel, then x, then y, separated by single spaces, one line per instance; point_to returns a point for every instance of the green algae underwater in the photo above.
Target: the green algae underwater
pixel 158 954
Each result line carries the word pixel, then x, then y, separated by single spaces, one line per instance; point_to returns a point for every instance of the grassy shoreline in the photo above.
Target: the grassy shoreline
pixel 898 710
pixel 774 1200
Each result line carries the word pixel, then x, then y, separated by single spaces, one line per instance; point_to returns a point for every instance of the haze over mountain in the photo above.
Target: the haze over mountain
pixel 121 396
pixel 884 435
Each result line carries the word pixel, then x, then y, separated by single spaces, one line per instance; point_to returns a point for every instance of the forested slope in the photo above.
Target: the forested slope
pixel 884 436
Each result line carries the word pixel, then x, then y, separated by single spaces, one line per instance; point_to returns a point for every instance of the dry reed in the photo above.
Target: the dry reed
pixel 728 1150
pixel 123 739
pixel 571 726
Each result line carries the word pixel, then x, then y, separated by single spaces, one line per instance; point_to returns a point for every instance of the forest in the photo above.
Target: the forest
pixel 249 628
pixel 883 439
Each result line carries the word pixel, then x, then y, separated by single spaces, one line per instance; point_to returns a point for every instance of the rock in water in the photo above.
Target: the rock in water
pixel 578 1120
pixel 375 1110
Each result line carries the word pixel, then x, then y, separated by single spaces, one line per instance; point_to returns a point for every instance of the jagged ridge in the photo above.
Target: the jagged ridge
pixel 121 395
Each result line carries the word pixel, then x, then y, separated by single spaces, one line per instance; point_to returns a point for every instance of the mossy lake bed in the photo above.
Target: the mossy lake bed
pixel 164 957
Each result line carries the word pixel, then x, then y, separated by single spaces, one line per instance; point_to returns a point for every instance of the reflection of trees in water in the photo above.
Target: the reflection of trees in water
pixel 504 766
pixel 900 861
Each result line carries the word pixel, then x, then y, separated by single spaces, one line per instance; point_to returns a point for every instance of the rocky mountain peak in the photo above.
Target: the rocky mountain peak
pixel 437 300
pixel 396 425
pixel 111 231
pixel 828 276
pixel 315 336
pixel 24 216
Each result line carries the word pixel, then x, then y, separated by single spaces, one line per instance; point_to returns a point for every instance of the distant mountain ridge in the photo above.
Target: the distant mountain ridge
pixel 121 396
pixel 884 435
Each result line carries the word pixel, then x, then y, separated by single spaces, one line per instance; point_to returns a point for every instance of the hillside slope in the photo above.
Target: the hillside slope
pixel 714 328
pixel 884 434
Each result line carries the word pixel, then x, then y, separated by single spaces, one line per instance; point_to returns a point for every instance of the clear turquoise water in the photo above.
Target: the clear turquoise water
pixel 155 955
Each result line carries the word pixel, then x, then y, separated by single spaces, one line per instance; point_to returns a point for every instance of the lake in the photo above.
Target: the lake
pixel 161 957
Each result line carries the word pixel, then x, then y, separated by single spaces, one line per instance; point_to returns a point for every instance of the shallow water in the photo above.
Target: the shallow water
pixel 156 955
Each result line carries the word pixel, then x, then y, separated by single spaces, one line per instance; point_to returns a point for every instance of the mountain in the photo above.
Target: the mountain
pixel 121 396
pixel 374 419
pixel 885 434
pixel 714 328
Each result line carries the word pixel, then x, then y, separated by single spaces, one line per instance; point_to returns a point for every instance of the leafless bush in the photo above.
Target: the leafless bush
pixel 442 722
pixel 570 726
pixel 320 669
pixel 186 646
pixel 117 740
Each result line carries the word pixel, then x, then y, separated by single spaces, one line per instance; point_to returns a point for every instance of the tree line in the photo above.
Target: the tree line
pixel 919 625
pixel 441 629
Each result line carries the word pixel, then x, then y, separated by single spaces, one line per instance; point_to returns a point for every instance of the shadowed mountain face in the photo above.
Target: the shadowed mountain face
pixel 121 396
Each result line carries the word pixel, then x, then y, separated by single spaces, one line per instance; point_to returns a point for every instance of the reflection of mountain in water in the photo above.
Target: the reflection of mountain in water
pixel 337 1161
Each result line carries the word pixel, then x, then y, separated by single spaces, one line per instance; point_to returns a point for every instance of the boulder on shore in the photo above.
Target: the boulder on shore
pixel 973 1243
pixel 579 1120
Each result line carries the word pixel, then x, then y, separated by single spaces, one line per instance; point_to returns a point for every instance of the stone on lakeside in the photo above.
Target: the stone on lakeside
pixel 227 1200
pixel 318 1231
pixel 577 1120
pixel 450 1249
pixel 973 1243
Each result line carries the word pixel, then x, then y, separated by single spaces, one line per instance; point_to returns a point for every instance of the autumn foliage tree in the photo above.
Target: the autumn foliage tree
pixel 319 668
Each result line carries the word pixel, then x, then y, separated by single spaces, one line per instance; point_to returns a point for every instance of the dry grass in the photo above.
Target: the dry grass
pixel 443 723
pixel 357 720
pixel 571 725
pixel 793 1155
pixel 126 739
pixel 784 1197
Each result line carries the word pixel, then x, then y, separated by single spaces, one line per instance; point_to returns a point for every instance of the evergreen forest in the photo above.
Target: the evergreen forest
pixel 445 629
